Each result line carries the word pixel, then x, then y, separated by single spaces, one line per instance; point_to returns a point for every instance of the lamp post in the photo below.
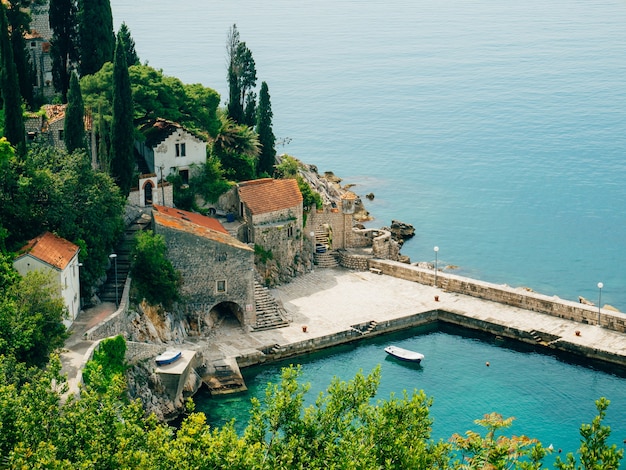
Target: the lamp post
pixel 436 251
pixel 162 187
pixel 113 256
pixel 600 286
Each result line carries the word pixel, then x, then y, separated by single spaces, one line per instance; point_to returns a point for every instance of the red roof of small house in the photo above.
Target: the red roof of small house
pixel 50 249
pixel 198 219
pixel 268 195
pixel 175 221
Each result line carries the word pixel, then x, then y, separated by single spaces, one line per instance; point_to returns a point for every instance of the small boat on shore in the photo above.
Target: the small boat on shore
pixel 404 354
pixel 168 357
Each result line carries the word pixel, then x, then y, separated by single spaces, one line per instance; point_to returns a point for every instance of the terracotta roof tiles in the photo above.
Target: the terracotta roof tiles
pixel 193 217
pixel 50 249
pixel 268 195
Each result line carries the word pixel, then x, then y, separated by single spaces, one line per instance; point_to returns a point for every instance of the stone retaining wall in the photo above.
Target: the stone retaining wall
pixel 516 297
pixel 116 323
pixel 352 261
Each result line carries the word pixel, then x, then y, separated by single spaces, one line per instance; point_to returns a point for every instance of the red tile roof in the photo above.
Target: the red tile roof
pixel 268 195
pixel 50 249
pixel 192 217
pixel 172 220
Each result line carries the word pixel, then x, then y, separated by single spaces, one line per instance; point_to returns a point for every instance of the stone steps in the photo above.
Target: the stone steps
pixel 269 314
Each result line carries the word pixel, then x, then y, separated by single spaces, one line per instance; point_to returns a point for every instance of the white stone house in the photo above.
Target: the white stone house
pixel 50 253
pixel 170 149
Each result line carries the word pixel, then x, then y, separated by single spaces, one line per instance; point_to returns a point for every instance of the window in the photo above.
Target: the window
pixel 221 286
pixel 184 176
pixel 220 257
pixel 290 232
pixel 60 134
pixel 181 150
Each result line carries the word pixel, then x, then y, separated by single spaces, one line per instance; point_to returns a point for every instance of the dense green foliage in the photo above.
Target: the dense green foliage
pixel 95 32
pixel 31 315
pixel 122 127
pixel 267 140
pixel 157 96
pixel 154 277
pixel 74 133
pixel 63 18
pixel 9 86
pixel 346 428
pixel 208 180
pixel 108 362
pixel 60 192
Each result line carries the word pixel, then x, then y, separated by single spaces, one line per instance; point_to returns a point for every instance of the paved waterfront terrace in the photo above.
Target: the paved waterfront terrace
pixel 339 305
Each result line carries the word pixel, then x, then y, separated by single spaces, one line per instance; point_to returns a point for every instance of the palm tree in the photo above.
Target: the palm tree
pixel 237 146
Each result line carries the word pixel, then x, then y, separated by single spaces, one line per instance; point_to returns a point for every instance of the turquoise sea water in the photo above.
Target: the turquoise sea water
pixel 548 396
pixel 497 128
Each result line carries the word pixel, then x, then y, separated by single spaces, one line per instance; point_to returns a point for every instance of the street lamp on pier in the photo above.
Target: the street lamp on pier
pixel 436 268
pixel 600 286
pixel 113 256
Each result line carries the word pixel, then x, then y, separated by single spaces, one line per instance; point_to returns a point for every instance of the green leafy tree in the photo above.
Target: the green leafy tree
pixel 108 361
pixel 95 32
pixel 289 167
pixel 74 133
pixel 63 18
pixel 129 45
pixel 154 277
pixel 31 315
pixel 12 99
pixel 122 128
pixel 595 451
pixel 267 140
pixel 497 452
pixel 208 180
pixel 157 96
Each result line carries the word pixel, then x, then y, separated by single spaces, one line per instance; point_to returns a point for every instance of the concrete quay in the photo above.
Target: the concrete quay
pixel 330 303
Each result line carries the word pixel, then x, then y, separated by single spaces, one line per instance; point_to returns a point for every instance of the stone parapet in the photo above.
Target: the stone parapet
pixel 516 297
pixel 115 324
pixel 353 261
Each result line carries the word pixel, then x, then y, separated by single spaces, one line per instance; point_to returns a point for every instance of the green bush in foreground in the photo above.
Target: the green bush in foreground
pixel 344 429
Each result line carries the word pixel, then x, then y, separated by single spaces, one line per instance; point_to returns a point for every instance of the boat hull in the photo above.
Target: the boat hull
pixel 168 357
pixel 404 354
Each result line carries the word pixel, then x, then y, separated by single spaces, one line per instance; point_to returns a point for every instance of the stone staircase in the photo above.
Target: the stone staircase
pixel 120 265
pixel 327 258
pixel 269 314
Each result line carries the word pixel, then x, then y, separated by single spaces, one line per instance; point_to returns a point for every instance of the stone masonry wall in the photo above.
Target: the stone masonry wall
pixel 506 295
pixel 203 262
pixel 336 220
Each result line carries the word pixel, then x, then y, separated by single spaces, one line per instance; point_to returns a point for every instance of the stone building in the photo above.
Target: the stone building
pixel 50 127
pixel 169 149
pixel 50 253
pixel 38 45
pixel 217 269
pixel 271 210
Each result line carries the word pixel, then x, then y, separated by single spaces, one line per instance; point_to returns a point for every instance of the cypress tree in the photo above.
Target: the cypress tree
pixel 18 17
pixel 63 17
pixel 123 131
pixel 12 99
pixel 96 37
pixel 267 158
pixel 129 45
pixel 74 117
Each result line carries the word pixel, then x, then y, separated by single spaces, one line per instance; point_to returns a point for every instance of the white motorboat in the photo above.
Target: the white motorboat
pixel 168 357
pixel 404 354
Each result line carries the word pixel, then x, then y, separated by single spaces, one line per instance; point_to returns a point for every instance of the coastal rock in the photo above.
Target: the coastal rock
pixel 400 231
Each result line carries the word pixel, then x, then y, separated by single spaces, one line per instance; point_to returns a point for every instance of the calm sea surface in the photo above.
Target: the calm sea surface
pixel 497 127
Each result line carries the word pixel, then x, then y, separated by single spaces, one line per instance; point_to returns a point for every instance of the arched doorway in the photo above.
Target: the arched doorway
pixel 147 189
pixel 226 315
